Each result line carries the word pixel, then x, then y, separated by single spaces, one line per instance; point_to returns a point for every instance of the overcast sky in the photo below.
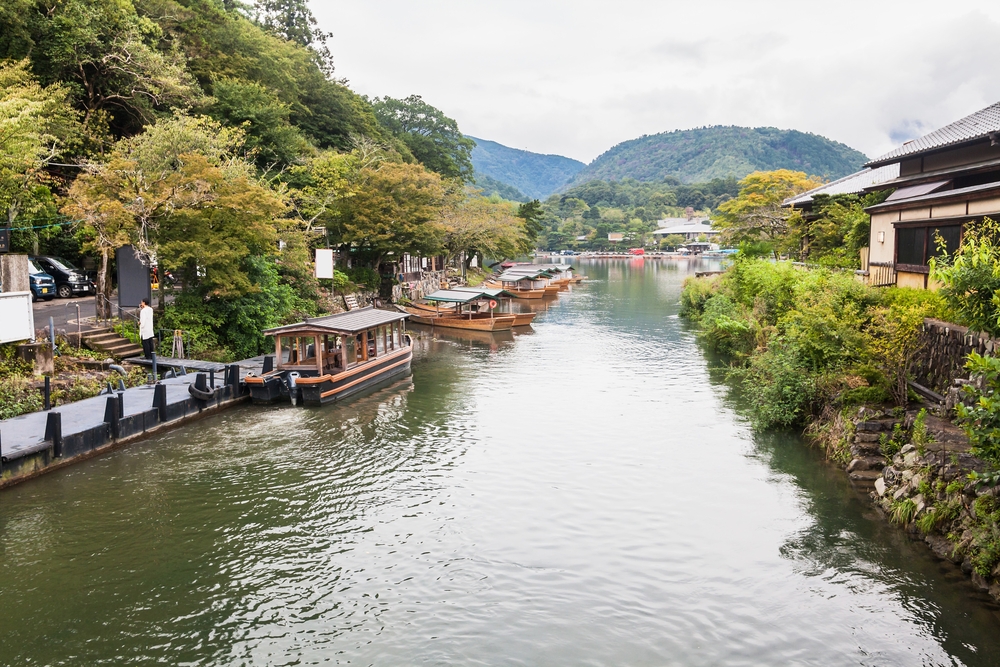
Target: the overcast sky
pixel 575 78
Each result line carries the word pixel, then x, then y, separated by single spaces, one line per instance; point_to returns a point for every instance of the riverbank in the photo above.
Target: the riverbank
pixel 821 352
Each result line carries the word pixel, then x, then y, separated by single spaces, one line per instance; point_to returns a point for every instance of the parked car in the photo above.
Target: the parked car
pixel 70 281
pixel 43 286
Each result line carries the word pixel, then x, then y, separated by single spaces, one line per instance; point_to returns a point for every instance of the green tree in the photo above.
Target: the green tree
pixel 433 138
pixel 480 227
pixel 756 215
pixel 532 214
pixel 35 122
pixel 292 20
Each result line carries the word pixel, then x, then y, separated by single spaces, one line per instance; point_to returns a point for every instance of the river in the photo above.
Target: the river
pixel 586 494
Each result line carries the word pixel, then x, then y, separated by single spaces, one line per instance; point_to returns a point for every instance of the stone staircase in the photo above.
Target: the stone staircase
pixel 107 341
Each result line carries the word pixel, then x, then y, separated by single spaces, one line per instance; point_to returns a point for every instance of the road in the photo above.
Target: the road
pixel 64 313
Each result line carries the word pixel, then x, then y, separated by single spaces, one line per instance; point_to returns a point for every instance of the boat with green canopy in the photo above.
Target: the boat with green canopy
pixel 463 309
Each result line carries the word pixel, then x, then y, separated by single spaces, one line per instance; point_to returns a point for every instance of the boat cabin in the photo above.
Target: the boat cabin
pixel 336 343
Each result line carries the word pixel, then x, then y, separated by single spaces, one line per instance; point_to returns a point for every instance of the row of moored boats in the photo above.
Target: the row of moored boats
pixel 324 359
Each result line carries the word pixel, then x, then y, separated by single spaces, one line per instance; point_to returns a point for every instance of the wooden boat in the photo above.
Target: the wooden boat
pixel 325 359
pixel 502 296
pixel 465 309
pixel 492 339
pixel 525 284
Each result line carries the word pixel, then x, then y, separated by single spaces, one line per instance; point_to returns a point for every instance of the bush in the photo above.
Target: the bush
pixel 981 419
pixel 364 277
pixel 18 397
pixel 779 391
pixel 696 292
pixel 727 328
pixel 970 278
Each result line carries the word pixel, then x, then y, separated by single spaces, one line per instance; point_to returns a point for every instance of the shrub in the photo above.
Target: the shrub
pixel 981 419
pixel 727 328
pixel 696 292
pixel 779 391
pixel 970 277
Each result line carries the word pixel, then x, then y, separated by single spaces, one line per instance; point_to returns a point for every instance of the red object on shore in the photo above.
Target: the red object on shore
pixel 637 251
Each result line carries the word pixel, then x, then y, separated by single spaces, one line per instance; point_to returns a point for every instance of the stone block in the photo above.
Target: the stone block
pixel 880 486
pixel 39 355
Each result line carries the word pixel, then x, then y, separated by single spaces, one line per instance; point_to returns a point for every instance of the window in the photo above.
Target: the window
pixel 916 245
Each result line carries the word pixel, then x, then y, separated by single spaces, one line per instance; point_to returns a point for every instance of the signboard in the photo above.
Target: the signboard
pixel 134 282
pixel 324 263
pixel 5 240
pixel 17 320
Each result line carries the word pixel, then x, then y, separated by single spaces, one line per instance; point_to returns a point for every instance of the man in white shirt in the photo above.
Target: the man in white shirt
pixel 146 328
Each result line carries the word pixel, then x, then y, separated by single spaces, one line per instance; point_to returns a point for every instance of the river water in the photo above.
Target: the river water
pixel 586 494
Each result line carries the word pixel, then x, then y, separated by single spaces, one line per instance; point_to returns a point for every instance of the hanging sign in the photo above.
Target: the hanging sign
pixel 324 263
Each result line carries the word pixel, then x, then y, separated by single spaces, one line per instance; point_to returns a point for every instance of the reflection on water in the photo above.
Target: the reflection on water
pixel 585 494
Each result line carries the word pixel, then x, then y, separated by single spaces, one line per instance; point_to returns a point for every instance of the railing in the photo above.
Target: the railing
pixel 881 274
pixel 113 311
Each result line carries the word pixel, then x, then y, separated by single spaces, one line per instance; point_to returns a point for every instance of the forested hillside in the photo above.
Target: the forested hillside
pixel 699 155
pixel 534 174
pixel 212 136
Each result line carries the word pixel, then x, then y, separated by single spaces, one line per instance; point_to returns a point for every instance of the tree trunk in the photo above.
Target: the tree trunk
pixel 103 287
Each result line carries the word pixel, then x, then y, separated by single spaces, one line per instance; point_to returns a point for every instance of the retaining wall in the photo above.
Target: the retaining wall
pixel 944 348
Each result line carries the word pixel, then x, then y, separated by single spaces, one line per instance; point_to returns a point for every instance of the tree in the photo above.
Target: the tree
pixel 35 121
pixel 392 207
pixel 477 226
pixel 433 138
pixel 532 214
pixel 292 20
pixel 755 214
pixel 179 192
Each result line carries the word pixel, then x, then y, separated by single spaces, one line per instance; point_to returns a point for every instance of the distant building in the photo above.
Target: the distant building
pixel 615 237
pixel 946 179
pixel 691 228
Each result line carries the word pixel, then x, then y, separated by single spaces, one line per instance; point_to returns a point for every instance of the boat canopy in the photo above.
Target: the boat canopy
pixel 491 292
pixel 465 295
pixel 512 276
pixel 351 322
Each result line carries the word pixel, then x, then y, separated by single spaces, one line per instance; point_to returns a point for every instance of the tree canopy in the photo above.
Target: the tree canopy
pixel 433 138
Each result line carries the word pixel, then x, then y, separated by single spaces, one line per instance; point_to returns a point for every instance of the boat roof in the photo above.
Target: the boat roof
pixel 492 292
pixel 464 295
pixel 350 322
pixel 512 276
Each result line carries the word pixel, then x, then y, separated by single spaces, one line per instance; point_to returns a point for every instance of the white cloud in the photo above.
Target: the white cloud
pixel 575 78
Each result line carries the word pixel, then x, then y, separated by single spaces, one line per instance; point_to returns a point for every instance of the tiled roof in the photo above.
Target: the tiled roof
pixel 852 184
pixel 349 322
pixel 974 126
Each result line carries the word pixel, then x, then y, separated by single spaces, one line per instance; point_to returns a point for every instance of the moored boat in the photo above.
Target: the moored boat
pixel 502 296
pixel 464 309
pixel 324 359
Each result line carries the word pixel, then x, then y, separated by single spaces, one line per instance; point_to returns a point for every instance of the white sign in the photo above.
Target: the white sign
pixel 17 321
pixel 324 263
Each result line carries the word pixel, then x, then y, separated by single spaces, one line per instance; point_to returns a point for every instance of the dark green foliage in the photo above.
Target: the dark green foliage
pixel 532 214
pixel 433 138
pixel 534 174
pixel 719 152
pixel 981 419
pixel 364 277
pixel 491 186
pixel 971 277
pixel 292 20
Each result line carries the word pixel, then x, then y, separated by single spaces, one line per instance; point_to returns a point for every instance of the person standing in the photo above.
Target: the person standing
pixel 146 328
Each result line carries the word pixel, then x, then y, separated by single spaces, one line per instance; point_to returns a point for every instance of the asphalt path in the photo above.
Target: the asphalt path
pixel 64 313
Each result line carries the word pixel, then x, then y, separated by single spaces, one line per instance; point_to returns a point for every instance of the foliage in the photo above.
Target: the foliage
pixel 535 175
pixel 702 154
pixel 756 213
pixel 18 397
pixel 365 277
pixel 478 226
pixel 491 186
pixel 799 339
pixel 433 138
pixel 903 511
pixel 35 123
pixel 970 278
pixel 981 419
pixel 920 436
pixel 292 20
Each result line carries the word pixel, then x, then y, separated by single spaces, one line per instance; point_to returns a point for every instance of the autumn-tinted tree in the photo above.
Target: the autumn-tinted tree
pixel 480 227
pixel 756 215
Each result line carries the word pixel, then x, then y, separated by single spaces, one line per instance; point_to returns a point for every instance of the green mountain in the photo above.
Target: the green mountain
pixel 705 153
pixel 491 186
pixel 534 174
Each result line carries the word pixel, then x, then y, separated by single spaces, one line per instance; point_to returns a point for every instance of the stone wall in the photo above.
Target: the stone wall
pixel 943 352
pixel 430 281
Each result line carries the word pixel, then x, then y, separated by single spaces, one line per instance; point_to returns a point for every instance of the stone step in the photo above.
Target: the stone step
pixel 104 339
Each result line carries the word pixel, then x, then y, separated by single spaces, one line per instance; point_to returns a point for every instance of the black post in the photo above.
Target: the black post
pixel 160 401
pixel 155 376
pixel 111 416
pixel 53 432
pixel 48 393
pixel 268 364
pixel 211 379
pixel 199 382
pixel 234 379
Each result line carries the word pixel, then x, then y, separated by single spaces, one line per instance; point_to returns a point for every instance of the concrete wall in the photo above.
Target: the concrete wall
pixel 884 251
pixel 14 273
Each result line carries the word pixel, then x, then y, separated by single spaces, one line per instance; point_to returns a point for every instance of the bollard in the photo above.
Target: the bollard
pixel 121 385
pixel 199 382
pixel 211 379
pixel 155 376
pixel 48 393
pixel 160 401
pixel 234 379
pixel 111 416
pixel 53 432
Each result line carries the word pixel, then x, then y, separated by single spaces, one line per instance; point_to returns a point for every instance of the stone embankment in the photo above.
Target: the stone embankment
pixel 918 473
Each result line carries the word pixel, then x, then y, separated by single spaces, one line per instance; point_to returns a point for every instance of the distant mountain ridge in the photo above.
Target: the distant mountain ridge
pixel 533 174
pixel 699 155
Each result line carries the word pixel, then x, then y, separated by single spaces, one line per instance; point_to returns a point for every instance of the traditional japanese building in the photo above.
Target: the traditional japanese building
pixel 946 179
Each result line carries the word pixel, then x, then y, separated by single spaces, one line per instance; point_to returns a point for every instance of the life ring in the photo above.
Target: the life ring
pixel 493 304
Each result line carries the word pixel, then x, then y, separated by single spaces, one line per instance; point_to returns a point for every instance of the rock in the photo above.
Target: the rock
pixel 915 482
pixel 852 466
pixel 873 426
pixel 912 459
pixel 907 475
pixel 866 437
pixel 880 486
pixel 900 493
pixel 967 566
pixel 907 448
pixel 919 501
pixel 979 580
pixel 868 476
pixel 942 548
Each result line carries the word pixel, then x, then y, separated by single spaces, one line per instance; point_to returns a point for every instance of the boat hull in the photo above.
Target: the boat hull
pixel 479 322
pixel 330 389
